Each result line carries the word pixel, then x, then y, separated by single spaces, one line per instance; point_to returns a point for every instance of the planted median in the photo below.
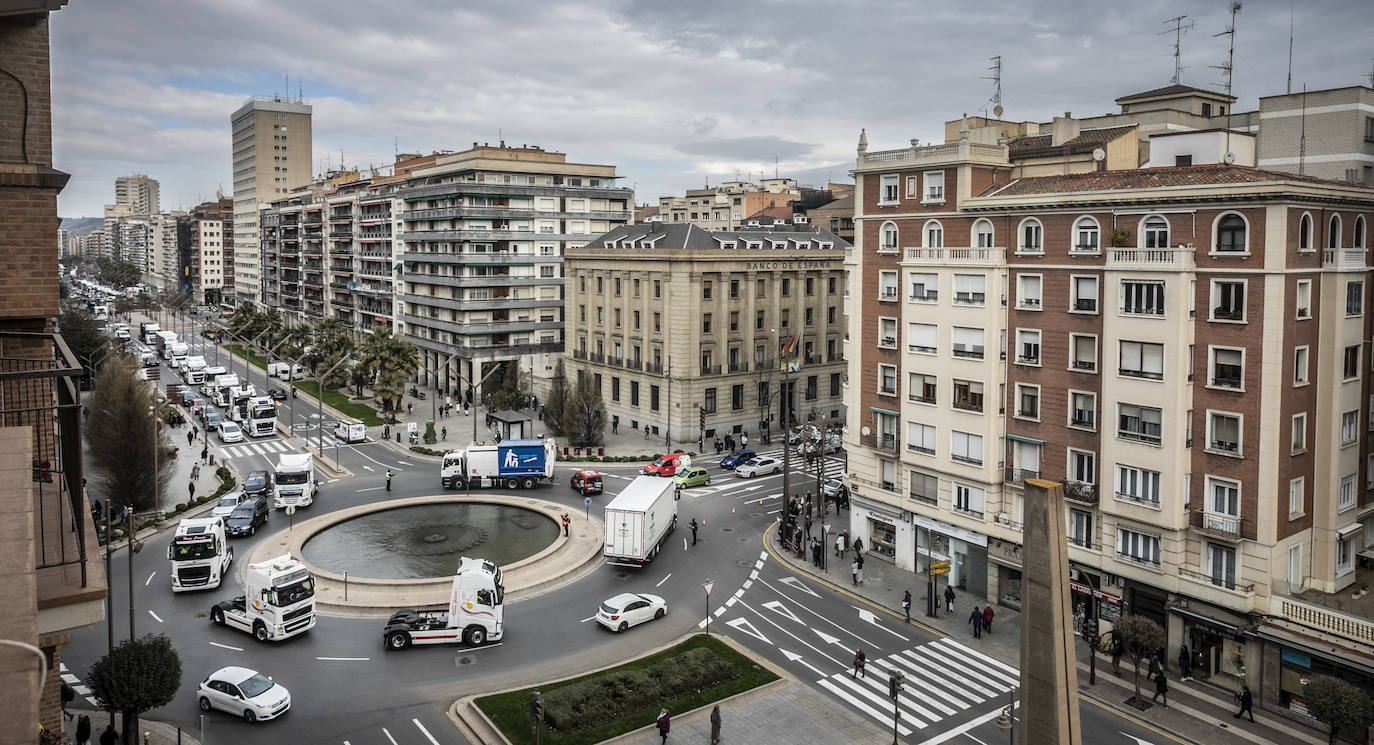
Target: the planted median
pixel 333 399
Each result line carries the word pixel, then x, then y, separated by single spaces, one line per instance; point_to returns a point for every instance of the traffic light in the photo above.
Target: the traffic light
pixel 894 684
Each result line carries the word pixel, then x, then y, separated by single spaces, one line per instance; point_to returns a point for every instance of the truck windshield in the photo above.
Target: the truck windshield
pixel 291 478
pixel 265 414
pixel 292 594
pixel 193 550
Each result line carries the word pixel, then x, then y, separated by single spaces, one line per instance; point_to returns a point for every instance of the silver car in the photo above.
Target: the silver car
pixel 226 505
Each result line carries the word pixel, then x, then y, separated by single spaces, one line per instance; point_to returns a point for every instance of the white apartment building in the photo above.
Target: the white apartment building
pixel 271 156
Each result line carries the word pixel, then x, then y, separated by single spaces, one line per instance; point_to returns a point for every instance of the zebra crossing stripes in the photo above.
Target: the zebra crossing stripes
pixel 266 447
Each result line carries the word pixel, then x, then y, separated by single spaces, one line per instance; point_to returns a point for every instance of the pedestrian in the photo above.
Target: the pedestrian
pixel 109 736
pixel 854 571
pixel 388 479
pixel 1155 668
pixel 68 696
pixel 694 531
pixel 949 599
pixel 448 401
pixel 1185 663
pixel 906 605
pixel 839 545
pixel 205 452
pixel 195 472
pixel 83 730
pixel 976 618
pixel 410 408
pixel 715 725
pixel 744 439
pixel 859 660
pixel 860 561
pixel 987 619
pixel 443 433
pixel 663 723
pixel 729 443
pixel 191 436
pixel 567 521
pixel 719 447
pixel 858 545
pixel 1246 701
pixel 1162 689
pixel 1116 656
pixel 191 487
pixel 815 552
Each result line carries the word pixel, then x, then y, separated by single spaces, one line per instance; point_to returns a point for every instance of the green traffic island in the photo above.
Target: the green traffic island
pixel 595 707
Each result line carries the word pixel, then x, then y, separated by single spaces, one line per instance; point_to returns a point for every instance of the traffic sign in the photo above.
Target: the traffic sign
pixel 940 564
pixel 944 570
pixel 708 586
pixel 587 500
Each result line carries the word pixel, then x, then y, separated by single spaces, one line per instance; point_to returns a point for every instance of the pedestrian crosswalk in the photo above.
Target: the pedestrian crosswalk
pixel 940 680
pixel 264 447
pixel 81 689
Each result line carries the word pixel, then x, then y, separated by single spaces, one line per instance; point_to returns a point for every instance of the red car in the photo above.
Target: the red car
pixel 586 482
pixel 669 465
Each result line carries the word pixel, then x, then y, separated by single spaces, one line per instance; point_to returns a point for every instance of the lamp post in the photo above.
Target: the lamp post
pixel 668 419
pixel 1006 721
pixel 319 402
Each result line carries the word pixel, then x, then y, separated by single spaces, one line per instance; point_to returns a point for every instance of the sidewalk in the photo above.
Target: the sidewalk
pixel 158 733
pixel 1197 712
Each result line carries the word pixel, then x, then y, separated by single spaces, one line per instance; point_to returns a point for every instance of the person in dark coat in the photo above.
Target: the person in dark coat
pixel 83 730
pixel 663 724
pixel 906 605
pixel 1185 663
pixel 1161 689
pixel 949 599
pixel 109 736
pixel 977 620
pixel 1246 701
pixel 694 531
pixel 715 725
pixel 860 659
pixel 987 619
pixel 68 696
pixel 1116 656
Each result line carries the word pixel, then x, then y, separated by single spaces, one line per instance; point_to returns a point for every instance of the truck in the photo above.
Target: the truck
pixel 178 353
pixel 146 331
pixel 101 312
pixel 279 370
pixel 163 341
pixel 278 601
pixel 193 370
pixel 262 417
pixel 476 612
pixel 514 464
pixel 200 554
pixel 350 431
pixel 638 520
pixel 212 372
pixel 295 481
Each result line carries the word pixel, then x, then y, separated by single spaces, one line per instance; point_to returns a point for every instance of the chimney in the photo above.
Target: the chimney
pixel 1065 128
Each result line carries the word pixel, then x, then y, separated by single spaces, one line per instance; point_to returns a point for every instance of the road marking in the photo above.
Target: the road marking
pixel 868 616
pixel 70 678
pixel 150 579
pixel 155 616
pixel 404 463
pixel 370 488
pixel 344 659
pixel 794 582
pixel 425 732
pixel 389 737
pixel 801 641
pixel 858 703
pixel 588 618
pixel 743 625
pixel 370 468
pixel 965 727
pixel 226 646
pixel 794 657
pixel 85 690
pixel 777 607
pixel 665 579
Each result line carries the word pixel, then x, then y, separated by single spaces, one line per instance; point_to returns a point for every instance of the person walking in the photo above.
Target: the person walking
pixel 109 736
pixel 1185 663
pixel 663 724
pixel 987 619
pixel 1116 656
pixel 949 599
pixel 443 433
pixel 191 487
pixel 410 408
pixel 719 447
pixel 906 605
pixel 854 571
pixel 83 730
pixel 744 439
pixel 68 696
pixel 388 479
pixel 1161 688
pixel 205 452
pixel 860 659
pixel 567 522
pixel 715 725
pixel 976 618
pixel 839 545
pixel 858 559
pixel 1246 701
pixel 190 436
pixel 693 526
pixel 858 543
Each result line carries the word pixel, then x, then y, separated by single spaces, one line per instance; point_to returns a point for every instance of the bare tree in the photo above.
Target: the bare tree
pixel 584 414
pixel 1141 639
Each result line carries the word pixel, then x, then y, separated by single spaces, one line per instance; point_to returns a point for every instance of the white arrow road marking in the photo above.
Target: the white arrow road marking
pixel 370 468
pixel 867 615
pixel 665 579
pixel 794 582
pixel 425 732
pixel 778 607
pixel 155 616
pixel 828 639
pixel 866 642
pixel 794 636
pixel 226 646
pixel 150 579
pixel 794 657
pixel 1133 737
pixel 742 624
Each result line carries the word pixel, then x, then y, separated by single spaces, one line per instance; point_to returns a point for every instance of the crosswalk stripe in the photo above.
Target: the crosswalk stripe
pixel 986 659
pixel 946 680
pixel 83 690
pixel 969 679
pixel 910 709
pixel 861 705
pixel 957 651
pixel 918 676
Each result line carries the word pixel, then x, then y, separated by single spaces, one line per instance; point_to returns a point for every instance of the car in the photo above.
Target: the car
pixel 226 505
pixel 694 476
pixel 586 482
pixel 258 483
pixel 230 432
pixel 668 465
pixel 247 516
pixel 277 393
pixel 757 466
pixel 212 419
pixel 630 609
pixel 804 433
pixel 834 489
pixel 194 404
pixel 737 459
pixel 243 692
pixel 206 410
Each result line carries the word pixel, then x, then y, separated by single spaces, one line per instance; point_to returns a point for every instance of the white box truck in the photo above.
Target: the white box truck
pixel 476 612
pixel 278 601
pixel 295 482
pixel 279 370
pixel 200 554
pixel 193 370
pixel 638 520
pixel 147 331
pixel 163 341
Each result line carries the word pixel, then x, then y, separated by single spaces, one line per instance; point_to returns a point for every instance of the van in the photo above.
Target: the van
pixel 280 370
pixel 669 465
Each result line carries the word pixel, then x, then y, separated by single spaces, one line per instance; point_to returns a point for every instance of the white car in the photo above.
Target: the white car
pixel 230 432
pixel 243 692
pixel 226 504
pixel 759 465
pixel 630 609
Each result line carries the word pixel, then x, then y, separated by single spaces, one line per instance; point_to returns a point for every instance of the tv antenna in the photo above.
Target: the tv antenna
pixel 1177 31
pixel 996 78
pixel 1229 68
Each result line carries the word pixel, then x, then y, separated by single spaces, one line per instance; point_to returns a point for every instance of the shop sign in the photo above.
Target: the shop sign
pixel 953 531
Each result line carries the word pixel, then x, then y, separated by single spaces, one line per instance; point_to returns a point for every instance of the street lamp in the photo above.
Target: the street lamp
pixel 1006 721
pixel 668 430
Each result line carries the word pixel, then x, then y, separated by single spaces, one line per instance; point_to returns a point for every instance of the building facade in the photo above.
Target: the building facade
pixel 681 327
pixel 1327 134
pixel 726 206
pixel 139 193
pixel 209 254
pixel 262 175
pixel 164 250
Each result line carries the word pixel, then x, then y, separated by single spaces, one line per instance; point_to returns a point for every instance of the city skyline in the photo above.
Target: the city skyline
pixel 745 84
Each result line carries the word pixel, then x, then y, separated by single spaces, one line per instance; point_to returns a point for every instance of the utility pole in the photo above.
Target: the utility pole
pixel 668 420
pixel 1229 68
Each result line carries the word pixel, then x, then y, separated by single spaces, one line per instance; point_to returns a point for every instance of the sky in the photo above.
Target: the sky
pixel 676 95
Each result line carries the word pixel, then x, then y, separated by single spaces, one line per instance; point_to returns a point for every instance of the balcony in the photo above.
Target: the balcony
pixel 885 442
pixel 1141 499
pixel 738 367
pixel 1217 525
pixel 1221 581
pixel 970 298
pixel 1013 475
pixel 1085 419
pixel 967 352
pixel 888 294
pixel 930 296
pixel 1085 305
pixel 1352 259
pixel 1028 303
pixel 1150 259
pixel 495 280
pixel 1227 381
pixel 967 405
pixel 959 256
pixel 1085 365
pixel 710 370
pixel 1080 492
pixel 458 188
pixel 1142 374
pixel 496 258
pixel 633 364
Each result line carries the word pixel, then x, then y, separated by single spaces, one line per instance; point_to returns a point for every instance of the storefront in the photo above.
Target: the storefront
pixel 1297 662
pixel 882 529
pixel 1004 558
pixel 1217 644
pixel 1095 611
pixel 965 550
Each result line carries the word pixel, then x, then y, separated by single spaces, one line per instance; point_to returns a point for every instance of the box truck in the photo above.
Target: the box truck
pixel 638 520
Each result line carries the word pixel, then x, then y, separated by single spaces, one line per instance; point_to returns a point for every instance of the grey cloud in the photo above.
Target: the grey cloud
pixel 754 149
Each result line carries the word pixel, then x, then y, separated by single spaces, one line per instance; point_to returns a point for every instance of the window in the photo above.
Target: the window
pixel 1142 360
pixel 708 404
pixel 1085 235
pixel 921 438
pixel 1304 299
pixel 1299 366
pixel 1305 233
pixel 934 235
pixel 830 315
pixel 966 447
pixel 887 286
pixel 924 487
pixel 1228 300
pixel 1028 293
pixel 1142 298
pixel 787 286
pixel 1139 423
pixel 1297 496
pixel 970 289
pixel 982 234
pixel 1028 401
pixel 889 190
pixel 1223 433
pixel 889 237
pixel 921 337
pixel 924 287
pixel 887 333
pixel 1344 561
pixel 968 499
pixel 968 343
pixel 706 290
pixel 1027 347
pixel 1354 298
pixel 1346 500
pixel 1032 233
pixel 1299 434
pixel 921 388
pixel 830 285
pixel 1141 548
pixel 935 186
pixel 1155 232
pixel 887 380
pixel 1080 528
pixel 1083 291
pixel 1084 351
pixel 1358 239
pixel 634 393
pixel 1350 362
pixel 705 323
pixel 1083 410
pixel 1333 232
pixel 1137 485
pixel 834 384
pixel 1082 467
pixel 758 321
pixel 1228 367
pixel 1350 427
pixel 810 286
pixel 658 289
pixel 658 322
pixel 734 320
pixel 1231 236
pixel 1221 565
pixel 653 398
pixel 968 395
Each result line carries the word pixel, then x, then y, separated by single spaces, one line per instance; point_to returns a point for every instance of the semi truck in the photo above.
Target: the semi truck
pixel 262 417
pixel 178 353
pixel 223 389
pixel 200 554
pixel 193 370
pixel 476 612
pixel 211 373
pixel 163 341
pixel 147 331
pixel 278 601
pixel 295 483
pixel 514 464
pixel 638 520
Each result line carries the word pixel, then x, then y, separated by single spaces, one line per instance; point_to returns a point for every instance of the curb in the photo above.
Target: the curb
pixel 169 522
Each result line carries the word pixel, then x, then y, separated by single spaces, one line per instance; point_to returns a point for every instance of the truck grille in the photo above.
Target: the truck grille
pixel 192 576
pixel 300 623
pixel 297 613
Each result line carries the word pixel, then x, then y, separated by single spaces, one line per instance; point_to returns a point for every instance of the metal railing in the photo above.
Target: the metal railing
pixel 1019 475
pixel 1226 526
pixel 1228 583
pixel 1080 492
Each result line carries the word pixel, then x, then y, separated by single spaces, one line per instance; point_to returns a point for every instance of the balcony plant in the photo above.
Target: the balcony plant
pixel 1119 238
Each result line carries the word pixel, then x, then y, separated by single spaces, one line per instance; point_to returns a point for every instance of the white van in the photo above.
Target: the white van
pixel 280 370
pixel 350 431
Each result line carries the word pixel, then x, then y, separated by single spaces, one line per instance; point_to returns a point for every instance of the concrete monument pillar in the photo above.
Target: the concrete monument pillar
pixel 1049 671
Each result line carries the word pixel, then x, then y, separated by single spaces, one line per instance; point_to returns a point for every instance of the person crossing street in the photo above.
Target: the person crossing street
pixel 906 605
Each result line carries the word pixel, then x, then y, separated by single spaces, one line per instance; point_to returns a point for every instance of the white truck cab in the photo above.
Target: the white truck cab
pixel 262 417
pixel 294 481
pixel 278 601
pixel 200 554
pixel 476 612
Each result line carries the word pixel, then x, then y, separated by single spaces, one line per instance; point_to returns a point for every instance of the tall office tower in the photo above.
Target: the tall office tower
pixel 262 175
pixel 138 192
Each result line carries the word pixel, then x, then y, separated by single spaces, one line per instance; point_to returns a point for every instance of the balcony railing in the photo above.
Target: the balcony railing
pixel 1222 581
pixel 1086 305
pixel 1015 475
pixel 1150 258
pixel 880 442
pixel 1343 258
pixel 1331 621
pixel 954 255
pixel 1223 526
pixel 1080 492
pixel 1085 365
pixel 708 370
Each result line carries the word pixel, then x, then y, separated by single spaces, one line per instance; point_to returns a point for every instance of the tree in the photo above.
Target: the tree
pixel 393 360
pixel 557 400
pixel 329 340
pixel 338 376
pixel 358 377
pixel 120 432
pixel 84 338
pixel 1140 639
pixel 584 414
pixel 1337 704
pixel 514 389
pixel 139 675
pixel 118 273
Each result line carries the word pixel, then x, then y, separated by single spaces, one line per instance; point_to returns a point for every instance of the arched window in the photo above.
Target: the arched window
pixel 1156 232
pixel 889 237
pixel 1333 233
pixel 1231 230
pixel 1032 234
pixel 982 234
pixel 935 234
pixel 1305 232
pixel 1357 241
pixel 1086 235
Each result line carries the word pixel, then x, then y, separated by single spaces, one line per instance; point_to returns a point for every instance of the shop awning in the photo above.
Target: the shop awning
pixel 889 412
pixel 1229 628
pixel 1027 440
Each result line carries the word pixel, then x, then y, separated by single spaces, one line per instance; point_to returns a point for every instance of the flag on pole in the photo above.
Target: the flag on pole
pixel 789 355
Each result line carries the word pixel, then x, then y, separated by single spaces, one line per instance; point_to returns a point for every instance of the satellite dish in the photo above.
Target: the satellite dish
pixel 1099 154
pixel 1229 158
pixel 866 431
pixel 997 110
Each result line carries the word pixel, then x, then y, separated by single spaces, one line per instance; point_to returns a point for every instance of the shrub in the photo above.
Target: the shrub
pixel 181 507
pixel 224 473
pixel 619 694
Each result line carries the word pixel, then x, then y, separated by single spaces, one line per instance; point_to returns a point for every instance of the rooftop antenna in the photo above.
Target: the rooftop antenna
pixel 1229 68
pixel 775 166
pixel 1289 90
pixel 996 78
pixel 1371 73
pixel 1177 31
pixel 1302 135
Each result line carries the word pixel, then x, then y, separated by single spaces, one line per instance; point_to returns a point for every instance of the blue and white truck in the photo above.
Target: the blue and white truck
pixel 513 464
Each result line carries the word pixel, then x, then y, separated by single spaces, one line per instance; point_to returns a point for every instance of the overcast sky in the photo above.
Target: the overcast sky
pixel 674 94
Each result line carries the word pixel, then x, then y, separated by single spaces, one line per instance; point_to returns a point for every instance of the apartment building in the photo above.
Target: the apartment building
pixel 728 205
pixel 50 573
pixel 1183 347
pixel 1327 134
pixel 209 253
pixel 482 235
pixel 681 326
pixel 164 250
pixel 138 192
pixel 262 175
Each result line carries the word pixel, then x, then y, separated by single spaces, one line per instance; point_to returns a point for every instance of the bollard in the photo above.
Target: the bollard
pixel 345 586
pixel 146 736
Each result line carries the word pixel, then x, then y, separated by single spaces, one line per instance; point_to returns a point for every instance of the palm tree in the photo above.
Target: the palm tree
pixel 331 340
pixel 393 360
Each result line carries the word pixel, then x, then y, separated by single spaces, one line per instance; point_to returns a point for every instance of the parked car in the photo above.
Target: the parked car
pixel 759 466
pixel 737 459
pixel 694 476
pixel 230 432
pixel 586 482
pixel 243 692
pixel 226 505
pixel 258 483
pixel 247 516
pixel 834 489
pixel 212 420
pixel 668 465
pixel 194 404
pixel 277 394
pixel 630 609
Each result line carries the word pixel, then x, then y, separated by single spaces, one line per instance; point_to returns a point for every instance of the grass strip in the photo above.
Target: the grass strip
pixel 340 403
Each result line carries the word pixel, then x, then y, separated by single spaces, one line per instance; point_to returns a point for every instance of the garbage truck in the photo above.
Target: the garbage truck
pixel 475 615
pixel 514 464
pixel 200 554
pixel 278 601
pixel 638 520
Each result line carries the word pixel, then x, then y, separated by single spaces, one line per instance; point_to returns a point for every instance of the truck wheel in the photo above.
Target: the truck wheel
pixel 527 483
pixel 461 484
pixel 260 631
pixel 397 640
pixel 217 616
pixel 475 636
pixel 512 483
